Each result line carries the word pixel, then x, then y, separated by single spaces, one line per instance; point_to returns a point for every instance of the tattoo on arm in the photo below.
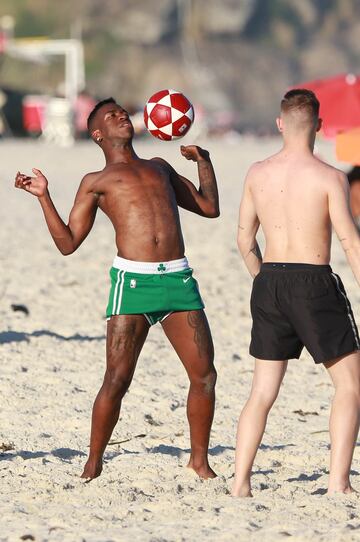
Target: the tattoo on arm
pixel 345 248
pixel 207 180
pixel 256 251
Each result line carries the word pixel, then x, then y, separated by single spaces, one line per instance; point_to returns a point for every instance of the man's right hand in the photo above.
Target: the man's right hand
pixel 36 185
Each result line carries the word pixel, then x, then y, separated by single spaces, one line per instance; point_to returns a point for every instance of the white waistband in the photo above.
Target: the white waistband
pixel 151 268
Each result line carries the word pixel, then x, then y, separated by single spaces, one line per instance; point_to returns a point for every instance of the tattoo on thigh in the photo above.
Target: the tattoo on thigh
pixel 201 333
pixel 122 338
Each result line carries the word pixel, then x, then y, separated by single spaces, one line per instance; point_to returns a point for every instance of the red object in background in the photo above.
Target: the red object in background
pixel 3 41
pixel 82 109
pixel 339 99
pixel 34 113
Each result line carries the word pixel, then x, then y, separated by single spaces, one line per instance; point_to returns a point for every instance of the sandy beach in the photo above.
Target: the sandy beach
pixel 52 364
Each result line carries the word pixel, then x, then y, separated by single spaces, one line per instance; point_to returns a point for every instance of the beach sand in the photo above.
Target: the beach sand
pixel 52 364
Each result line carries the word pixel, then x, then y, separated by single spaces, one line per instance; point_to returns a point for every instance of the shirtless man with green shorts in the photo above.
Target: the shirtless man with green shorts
pixel 151 280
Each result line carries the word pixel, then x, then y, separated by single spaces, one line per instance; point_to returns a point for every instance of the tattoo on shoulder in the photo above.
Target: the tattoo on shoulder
pixel 241 227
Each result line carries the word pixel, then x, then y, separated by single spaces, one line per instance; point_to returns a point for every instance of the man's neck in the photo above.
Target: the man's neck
pixel 118 151
pixel 299 144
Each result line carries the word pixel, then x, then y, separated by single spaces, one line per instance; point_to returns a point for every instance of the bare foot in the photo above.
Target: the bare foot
pixel 203 470
pixel 341 489
pixel 242 491
pixel 92 469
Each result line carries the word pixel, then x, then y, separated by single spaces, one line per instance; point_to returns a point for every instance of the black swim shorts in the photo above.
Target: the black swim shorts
pixel 295 305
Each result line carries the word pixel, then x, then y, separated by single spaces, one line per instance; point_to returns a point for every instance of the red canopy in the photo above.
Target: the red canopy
pixel 339 99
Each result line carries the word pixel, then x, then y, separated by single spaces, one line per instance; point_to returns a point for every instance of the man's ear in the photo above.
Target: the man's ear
pixel 319 125
pixel 96 136
pixel 279 124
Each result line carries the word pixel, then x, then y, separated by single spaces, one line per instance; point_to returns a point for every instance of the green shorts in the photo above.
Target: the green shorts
pixel 152 289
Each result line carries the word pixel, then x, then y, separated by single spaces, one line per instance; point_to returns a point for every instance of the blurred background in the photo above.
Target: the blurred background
pixel 233 58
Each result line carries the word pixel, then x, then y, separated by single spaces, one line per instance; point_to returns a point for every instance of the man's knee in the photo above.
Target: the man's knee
pixel 349 389
pixel 116 382
pixel 205 383
pixel 263 396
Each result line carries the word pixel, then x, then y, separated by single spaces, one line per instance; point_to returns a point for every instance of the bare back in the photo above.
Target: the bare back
pixel 290 195
pixel 297 199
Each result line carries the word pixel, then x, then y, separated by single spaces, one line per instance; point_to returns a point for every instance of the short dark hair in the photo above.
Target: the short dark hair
pixel 303 100
pixel 96 109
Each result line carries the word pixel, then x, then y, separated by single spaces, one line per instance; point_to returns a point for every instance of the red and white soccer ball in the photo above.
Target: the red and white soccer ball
pixel 168 115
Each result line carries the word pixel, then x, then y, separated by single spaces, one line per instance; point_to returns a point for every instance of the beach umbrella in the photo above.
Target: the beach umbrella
pixel 348 146
pixel 339 99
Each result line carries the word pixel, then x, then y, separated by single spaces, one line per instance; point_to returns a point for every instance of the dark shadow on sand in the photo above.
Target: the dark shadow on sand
pixel 178 452
pixel 65 454
pixel 174 451
pixel 218 450
pixel 320 491
pixel 264 472
pixel 13 337
pixel 168 450
pixel 19 336
pixel 276 447
pixel 306 477
pixel 109 456
pixel 24 454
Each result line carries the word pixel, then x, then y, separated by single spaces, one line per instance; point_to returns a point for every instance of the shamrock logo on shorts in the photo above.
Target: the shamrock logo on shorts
pixel 161 268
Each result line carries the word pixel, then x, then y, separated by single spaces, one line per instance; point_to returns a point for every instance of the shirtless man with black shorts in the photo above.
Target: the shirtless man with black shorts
pixel 151 280
pixel 296 299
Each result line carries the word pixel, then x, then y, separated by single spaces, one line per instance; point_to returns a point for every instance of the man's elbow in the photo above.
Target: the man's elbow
pixel 350 242
pixel 65 250
pixel 244 245
pixel 214 214
pixel 352 248
pixel 241 247
pixel 211 212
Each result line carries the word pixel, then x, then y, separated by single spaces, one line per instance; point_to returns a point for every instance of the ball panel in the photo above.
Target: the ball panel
pixel 190 113
pixel 180 102
pixel 165 101
pixel 158 95
pixel 181 126
pixel 168 129
pixel 160 135
pixel 149 107
pixel 160 115
pixel 150 125
pixel 176 114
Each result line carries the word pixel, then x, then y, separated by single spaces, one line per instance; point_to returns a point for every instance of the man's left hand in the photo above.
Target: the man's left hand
pixel 194 153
